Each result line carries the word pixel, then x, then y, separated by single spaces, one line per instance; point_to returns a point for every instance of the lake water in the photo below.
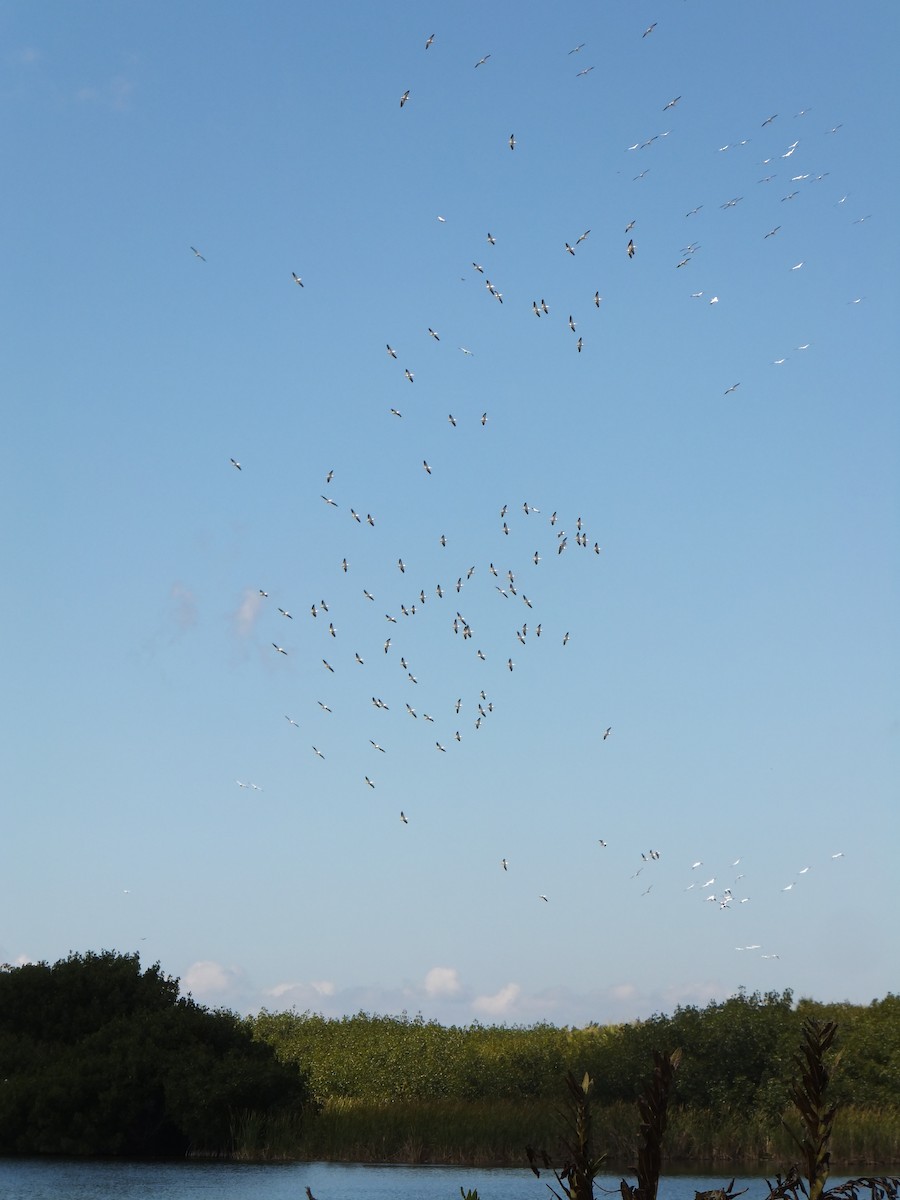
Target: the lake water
pixel 43 1179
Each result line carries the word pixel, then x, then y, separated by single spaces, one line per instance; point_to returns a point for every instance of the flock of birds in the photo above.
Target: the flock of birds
pixel 364 616
pixel 347 625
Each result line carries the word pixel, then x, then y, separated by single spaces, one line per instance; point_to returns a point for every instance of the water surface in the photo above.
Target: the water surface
pixel 53 1179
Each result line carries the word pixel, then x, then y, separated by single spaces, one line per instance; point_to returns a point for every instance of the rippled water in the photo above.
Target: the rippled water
pixel 42 1179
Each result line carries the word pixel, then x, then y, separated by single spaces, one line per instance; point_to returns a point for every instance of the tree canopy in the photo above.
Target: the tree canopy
pixel 99 1057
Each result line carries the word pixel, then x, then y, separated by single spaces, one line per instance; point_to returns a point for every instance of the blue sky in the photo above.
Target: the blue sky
pixel 735 627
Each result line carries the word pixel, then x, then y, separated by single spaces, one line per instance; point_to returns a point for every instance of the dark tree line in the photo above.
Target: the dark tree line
pixel 98 1057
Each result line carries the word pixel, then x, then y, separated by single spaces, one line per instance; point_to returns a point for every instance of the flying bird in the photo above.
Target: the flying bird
pixel 630 248
pixel 512 142
pixel 481 61
pixel 235 464
pixel 197 254
pixel 649 29
pixel 404 97
pixel 296 278
pixel 280 649
pixel 429 41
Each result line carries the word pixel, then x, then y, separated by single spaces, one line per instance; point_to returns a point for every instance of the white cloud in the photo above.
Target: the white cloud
pixel 247 612
pixel 442 981
pixel 501 1003
pixel 209 980
pixel 623 991
pixel 441 995
pixel 297 993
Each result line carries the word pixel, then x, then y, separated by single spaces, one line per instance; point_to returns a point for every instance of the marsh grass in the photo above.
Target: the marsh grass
pixel 266 1136
pixel 474 1132
pixel 495 1132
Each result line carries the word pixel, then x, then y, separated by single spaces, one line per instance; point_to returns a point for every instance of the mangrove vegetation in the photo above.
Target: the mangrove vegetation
pixel 100 1057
